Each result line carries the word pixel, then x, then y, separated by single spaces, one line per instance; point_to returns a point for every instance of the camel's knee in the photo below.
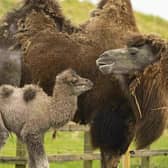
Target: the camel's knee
pixel 43 163
pixel 36 152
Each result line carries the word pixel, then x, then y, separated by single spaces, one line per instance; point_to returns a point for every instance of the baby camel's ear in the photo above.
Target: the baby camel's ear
pixel 6 91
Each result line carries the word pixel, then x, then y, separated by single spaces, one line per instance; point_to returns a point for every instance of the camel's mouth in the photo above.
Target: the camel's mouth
pixel 84 86
pixel 106 68
pixel 111 67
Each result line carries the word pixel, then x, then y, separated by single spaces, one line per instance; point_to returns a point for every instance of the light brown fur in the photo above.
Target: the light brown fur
pixel 30 119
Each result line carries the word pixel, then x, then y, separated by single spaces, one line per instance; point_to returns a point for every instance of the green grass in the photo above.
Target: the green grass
pixel 6 5
pixel 152 24
pixel 65 143
pixel 73 142
pixel 156 162
pixel 77 11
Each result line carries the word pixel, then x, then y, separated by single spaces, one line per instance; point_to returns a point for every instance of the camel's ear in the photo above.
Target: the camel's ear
pixel 135 40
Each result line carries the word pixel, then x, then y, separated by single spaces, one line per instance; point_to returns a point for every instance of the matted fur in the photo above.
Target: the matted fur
pixel 50 8
pixel 48 52
pixel 31 119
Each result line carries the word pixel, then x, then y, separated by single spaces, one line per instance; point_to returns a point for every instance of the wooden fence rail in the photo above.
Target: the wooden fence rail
pixel 83 157
pixel 87 157
pixel 148 153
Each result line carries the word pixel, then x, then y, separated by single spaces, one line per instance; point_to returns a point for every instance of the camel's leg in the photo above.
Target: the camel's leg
pixel 103 163
pixel 37 156
pixel 108 160
pixel 31 161
pixel 4 133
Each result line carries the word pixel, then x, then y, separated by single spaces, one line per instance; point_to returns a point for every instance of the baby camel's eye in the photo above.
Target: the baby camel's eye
pixel 74 80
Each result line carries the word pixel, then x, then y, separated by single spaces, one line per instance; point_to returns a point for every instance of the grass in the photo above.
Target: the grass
pixel 152 24
pixel 66 143
pixel 6 5
pixel 77 11
pixel 73 142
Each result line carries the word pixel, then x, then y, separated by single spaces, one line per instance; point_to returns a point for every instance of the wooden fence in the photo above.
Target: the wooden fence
pixel 87 157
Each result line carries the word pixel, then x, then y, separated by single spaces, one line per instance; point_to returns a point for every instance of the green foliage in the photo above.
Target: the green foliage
pixel 6 5
pixel 77 11
pixel 152 24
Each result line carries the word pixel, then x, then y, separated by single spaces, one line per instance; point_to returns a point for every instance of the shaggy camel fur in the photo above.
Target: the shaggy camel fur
pixel 49 50
pixel 9 27
pixel 145 61
pixel 29 112
pixel 46 9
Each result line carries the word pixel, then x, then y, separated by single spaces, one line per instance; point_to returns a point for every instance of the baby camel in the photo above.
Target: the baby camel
pixel 29 112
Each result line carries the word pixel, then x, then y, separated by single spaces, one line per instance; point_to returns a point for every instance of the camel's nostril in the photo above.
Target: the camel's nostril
pixel 97 62
pixel 104 61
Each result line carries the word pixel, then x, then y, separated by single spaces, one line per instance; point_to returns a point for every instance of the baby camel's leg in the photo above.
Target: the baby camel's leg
pixel 37 156
pixel 31 160
pixel 4 134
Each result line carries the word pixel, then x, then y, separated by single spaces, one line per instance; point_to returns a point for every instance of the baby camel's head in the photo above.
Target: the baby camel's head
pixel 73 82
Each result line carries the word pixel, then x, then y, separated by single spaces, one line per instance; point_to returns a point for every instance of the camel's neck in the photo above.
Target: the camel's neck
pixel 149 93
pixel 7 32
pixel 63 106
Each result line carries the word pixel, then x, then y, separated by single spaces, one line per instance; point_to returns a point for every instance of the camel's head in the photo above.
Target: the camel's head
pixel 130 60
pixel 74 82
pixel 126 60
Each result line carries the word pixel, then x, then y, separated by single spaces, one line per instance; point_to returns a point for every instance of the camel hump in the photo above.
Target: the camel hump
pixel 6 91
pixel 29 93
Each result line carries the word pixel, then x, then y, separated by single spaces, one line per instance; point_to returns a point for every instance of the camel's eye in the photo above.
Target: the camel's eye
pixel 74 80
pixel 133 51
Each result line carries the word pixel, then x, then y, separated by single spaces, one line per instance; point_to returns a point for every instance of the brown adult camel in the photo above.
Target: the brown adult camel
pixel 49 47
pixel 142 66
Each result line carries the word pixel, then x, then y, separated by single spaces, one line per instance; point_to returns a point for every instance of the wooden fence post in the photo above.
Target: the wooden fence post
pixel 87 149
pixel 20 152
pixel 126 160
pixel 145 161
